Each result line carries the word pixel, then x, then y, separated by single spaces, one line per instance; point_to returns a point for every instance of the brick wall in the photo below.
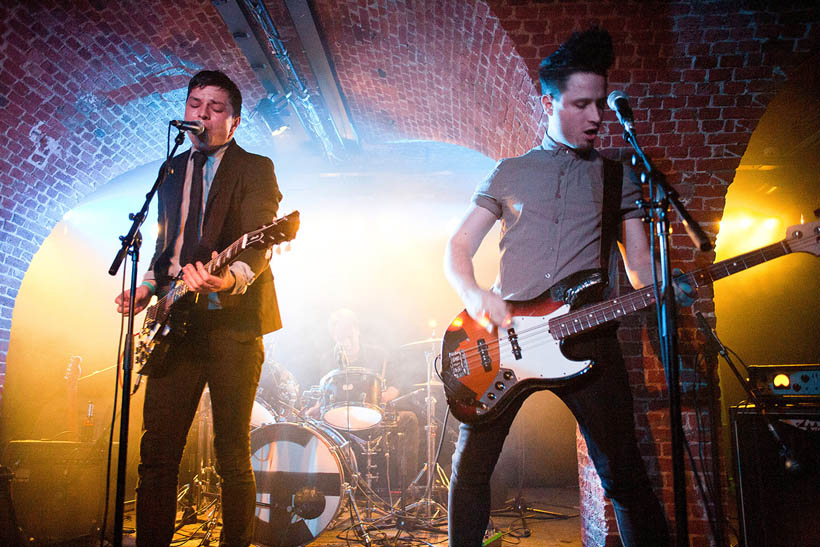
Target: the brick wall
pixel 442 71
pixel 82 88
pixel 81 93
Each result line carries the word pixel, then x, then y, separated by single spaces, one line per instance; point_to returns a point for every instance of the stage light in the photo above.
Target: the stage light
pixel 271 112
pixel 744 232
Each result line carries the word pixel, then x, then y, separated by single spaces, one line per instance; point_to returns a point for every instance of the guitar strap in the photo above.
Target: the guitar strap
pixel 593 285
pixel 610 220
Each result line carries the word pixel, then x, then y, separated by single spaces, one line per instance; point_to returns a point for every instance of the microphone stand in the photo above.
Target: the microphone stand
pixel 751 391
pixel 130 246
pixel 662 195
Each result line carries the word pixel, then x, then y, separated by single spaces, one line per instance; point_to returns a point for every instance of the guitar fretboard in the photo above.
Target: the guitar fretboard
pixel 597 314
pixel 282 229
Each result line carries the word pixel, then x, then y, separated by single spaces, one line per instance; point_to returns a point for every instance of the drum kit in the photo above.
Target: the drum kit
pixel 314 455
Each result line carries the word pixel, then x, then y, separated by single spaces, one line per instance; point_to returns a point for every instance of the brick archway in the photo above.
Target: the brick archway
pixel 83 86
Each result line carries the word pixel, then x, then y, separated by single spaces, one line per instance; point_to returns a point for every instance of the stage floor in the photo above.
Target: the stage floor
pixel 562 528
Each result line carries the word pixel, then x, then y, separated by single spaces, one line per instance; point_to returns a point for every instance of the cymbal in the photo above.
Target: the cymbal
pixel 421 342
pixel 432 383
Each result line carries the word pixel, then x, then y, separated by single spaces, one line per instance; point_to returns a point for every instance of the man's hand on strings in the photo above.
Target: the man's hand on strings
pixel 685 293
pixel 488 309
pixel 199 280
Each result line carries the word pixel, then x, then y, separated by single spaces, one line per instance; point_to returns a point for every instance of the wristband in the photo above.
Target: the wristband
pixel 151 286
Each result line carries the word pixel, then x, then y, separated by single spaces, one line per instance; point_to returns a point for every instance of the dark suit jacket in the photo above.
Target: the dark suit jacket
pixel 244 196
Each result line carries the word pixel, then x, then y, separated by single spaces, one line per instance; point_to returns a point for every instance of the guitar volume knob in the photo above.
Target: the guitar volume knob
pixel 500 386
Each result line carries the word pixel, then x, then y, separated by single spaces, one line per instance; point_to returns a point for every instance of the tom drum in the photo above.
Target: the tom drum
pixel 351 398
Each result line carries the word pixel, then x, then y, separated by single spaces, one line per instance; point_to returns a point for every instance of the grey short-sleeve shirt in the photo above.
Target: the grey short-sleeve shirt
pixel 549 202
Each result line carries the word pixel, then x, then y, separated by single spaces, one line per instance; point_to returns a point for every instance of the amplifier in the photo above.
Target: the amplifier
pixel 786 382
pixel 778 485
pixel 58 488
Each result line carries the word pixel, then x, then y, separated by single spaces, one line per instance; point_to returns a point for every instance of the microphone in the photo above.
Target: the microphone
pixel 194 127
pixel 619 102
pixel 341 356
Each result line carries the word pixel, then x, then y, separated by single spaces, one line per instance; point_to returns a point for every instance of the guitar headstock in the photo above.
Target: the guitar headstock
pixel 281 230
pixel 73 371
pixel 804 237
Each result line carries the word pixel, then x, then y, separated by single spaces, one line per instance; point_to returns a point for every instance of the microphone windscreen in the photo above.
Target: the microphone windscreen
pixel 613 98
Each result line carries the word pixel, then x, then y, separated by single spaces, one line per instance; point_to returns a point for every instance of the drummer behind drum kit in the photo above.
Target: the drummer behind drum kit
pixel 306 468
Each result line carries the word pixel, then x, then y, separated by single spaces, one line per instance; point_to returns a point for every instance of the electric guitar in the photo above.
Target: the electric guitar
pixel 169 316
pixel 543 347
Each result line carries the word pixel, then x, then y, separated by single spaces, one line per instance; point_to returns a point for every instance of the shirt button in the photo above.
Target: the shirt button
pixel 556 221
pixel 548 276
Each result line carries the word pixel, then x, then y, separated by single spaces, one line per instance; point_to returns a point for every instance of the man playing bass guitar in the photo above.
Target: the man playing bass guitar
pixel 553 209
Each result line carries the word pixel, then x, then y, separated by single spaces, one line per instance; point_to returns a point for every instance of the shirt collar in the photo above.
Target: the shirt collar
pixel 558 149
pixel 216 155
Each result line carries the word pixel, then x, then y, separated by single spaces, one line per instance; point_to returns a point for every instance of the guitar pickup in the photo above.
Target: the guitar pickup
pixel 513 338
pixel 486 360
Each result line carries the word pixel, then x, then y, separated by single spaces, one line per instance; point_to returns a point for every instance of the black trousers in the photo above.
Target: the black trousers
pixel 602 404
pixel 231 370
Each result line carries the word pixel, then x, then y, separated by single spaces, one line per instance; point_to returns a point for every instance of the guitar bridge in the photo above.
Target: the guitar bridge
pixel 458 364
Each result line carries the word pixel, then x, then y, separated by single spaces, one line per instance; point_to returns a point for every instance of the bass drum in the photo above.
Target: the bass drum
pixel 301 471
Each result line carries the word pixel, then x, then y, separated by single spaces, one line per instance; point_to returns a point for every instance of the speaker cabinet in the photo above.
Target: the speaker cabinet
pixel 58 488
pixel 778 490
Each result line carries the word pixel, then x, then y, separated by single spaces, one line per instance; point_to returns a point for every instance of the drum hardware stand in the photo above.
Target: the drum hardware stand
pixel 431 509
pixel 404 521
pixel 519 505
pixel 369 448
pixel 203 492
pixel 356 523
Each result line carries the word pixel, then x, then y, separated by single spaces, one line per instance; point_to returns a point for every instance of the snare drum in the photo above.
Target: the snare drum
pixel 351 398
pixel 301 471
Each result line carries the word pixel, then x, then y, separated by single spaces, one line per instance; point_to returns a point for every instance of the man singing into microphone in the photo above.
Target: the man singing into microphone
pixel 216 193
pixel 561 208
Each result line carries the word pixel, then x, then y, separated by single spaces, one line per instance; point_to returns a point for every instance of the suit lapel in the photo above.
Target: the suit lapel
pixel 219 196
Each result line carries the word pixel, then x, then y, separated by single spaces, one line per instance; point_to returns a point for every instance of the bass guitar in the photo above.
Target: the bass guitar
pixel 484 372
pixel 168 317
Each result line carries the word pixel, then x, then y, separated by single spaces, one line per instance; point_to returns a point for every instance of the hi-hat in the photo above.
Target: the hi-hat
pixel 421 342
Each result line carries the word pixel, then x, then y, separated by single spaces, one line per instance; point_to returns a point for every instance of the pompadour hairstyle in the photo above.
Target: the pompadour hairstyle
pixel 587 51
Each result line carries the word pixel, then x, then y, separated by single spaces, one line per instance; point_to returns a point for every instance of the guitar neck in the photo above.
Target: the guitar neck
pixel 280 230
pixel 725 268
pixel 595 315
